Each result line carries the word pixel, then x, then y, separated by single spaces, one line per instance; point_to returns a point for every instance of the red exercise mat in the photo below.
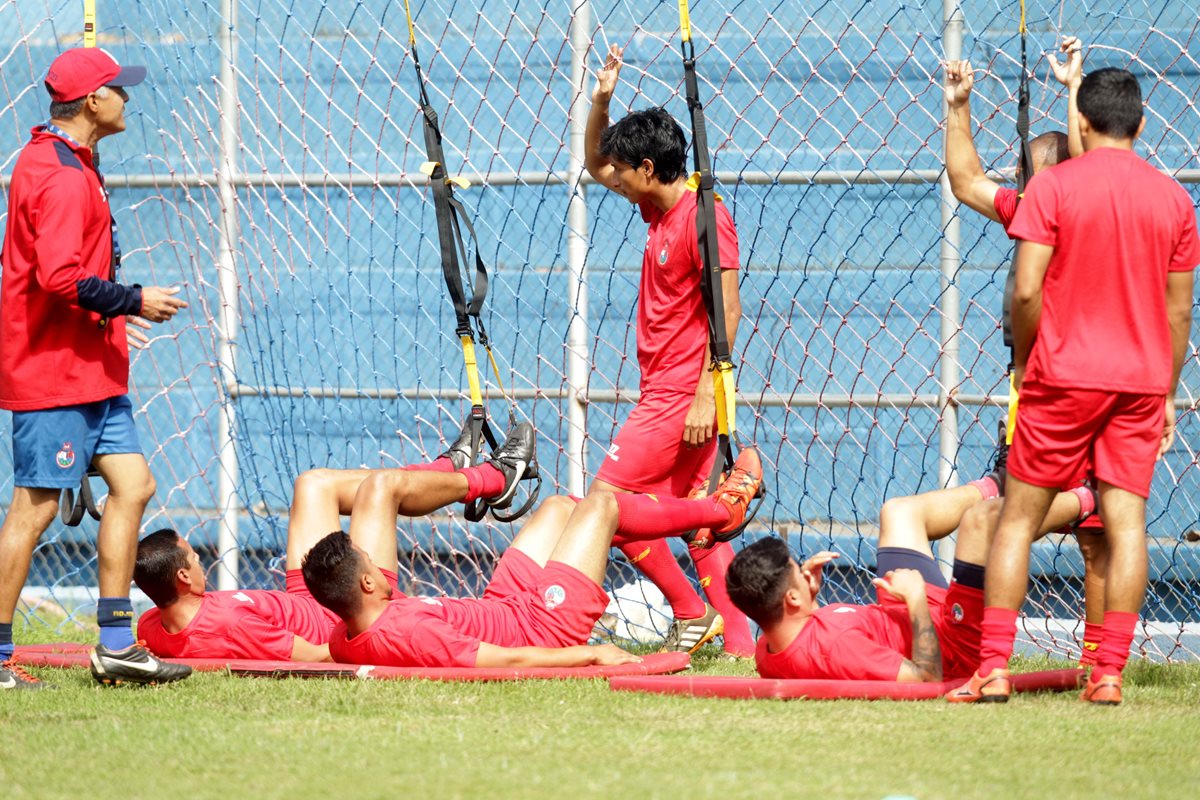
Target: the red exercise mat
pixel 763 688
pixel 75 655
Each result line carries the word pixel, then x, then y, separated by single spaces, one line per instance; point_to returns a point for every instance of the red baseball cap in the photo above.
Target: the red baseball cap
pixel 82 70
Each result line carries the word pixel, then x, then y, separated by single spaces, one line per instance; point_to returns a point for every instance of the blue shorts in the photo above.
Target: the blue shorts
pixel 53 447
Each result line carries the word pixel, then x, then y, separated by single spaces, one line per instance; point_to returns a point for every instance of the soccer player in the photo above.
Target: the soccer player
pixel 922 629
pixel 544 596
pixel 190 622
pixel 973 188
pixel 667 445
pixel 64 357
pixel 1101 318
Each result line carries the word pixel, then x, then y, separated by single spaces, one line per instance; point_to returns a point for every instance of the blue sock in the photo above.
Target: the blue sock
pixel 115 617
pixel 6 642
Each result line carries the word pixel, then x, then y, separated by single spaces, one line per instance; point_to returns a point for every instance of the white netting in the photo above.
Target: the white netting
pixel 825 123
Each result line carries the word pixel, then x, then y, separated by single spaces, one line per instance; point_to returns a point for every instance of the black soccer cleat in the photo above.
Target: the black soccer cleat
pixel 999 469
pixel 460 453
pixel 517 459
pixel 134 664
pixel 13 677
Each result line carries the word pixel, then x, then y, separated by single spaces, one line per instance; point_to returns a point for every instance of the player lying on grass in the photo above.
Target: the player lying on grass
pixel 922 628
pixel 544 596
pixel 190 622
pixel 974 189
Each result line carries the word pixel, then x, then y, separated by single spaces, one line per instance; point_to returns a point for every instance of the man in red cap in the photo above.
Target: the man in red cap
pixel 64 356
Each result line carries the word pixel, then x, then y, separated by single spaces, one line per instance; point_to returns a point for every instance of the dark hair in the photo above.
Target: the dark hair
pixel 159 557
pixel 67 110
pixel 1111 99
pixel 331 571
pixel 758 578
pixel 648 134
pixel 1049 148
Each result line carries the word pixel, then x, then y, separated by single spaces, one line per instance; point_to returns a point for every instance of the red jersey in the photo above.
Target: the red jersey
pixel 247 623
pixel 1117 226
pixel 1005 203
pixel 53 352
pixel 843 642
pixel 429 632
pixel 672 324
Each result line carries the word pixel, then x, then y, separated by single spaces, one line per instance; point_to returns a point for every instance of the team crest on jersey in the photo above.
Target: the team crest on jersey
pixel 65 457
pixel 956 611
pixel 662 255
pixel 554 596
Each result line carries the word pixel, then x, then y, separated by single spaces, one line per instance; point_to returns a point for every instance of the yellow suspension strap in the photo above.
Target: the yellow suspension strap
pixel 452 218
pixel 721 366
pixel 72 504
pixel 1025 156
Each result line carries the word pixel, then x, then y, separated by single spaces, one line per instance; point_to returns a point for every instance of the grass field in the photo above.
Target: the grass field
pixel 215 736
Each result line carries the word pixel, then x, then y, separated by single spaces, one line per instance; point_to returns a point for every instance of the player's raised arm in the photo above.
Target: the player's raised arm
pixel 1069 72
pixel 598 166
pixel 926 662
pixel 968 181
pixel 583 655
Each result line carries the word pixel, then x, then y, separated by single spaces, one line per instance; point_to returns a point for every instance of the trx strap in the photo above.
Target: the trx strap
pixel 451 219
pixel 711 289
pixel 1025 159
pixel 73 504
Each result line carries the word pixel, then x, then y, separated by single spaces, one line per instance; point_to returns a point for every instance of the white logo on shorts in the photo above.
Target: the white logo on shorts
pixel 65 457
pixel 554 596
pixel 957 612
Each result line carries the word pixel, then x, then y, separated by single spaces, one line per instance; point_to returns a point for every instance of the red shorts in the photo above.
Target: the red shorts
pixel 648 454
pixel 957 615
pixel 553 606
pixel 1061 431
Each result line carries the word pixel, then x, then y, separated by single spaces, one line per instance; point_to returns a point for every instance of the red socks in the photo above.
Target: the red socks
pixel 1092 634
pixel 656 561
pixel 482 481
pixel 647 516
pixel 999 633
pixel 711 566
pixel 1115 638
pixel 987 487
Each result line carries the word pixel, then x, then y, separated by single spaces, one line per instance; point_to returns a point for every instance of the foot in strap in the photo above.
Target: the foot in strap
pixel 701 539
pixel 737 491
pixel 517 459
pixel 689 635
pixel 134 664
pixel 1102 691
pixel 995 687
pixel 460 453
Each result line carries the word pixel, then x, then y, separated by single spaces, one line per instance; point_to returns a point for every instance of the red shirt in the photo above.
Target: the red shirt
pixel 672 325
pixel 52 352
pixel 1005 203
pixel 843 642
pixel 1118 226
pixel 249 623
pixel 431 632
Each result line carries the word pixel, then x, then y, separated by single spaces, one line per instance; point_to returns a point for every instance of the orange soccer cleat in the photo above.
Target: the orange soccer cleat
pixel 995 687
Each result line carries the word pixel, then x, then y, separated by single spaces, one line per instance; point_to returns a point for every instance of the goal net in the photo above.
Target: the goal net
pixel 271 167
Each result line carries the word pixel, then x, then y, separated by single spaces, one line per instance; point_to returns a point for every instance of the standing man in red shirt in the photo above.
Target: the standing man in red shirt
pixel 64 358
pixel 667 445
pixel 1101 317
pixel 973 188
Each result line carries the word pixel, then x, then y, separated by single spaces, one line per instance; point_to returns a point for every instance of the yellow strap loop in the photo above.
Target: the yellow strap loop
pixel 726 397
pixel 468 346
pixel 89 23
pixel 412 34
pixel 1012 409
pixel 685 22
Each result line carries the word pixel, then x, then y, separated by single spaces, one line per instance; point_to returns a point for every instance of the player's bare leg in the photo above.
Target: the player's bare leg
pixel 587 535
pixel 29 514
pixel 320 498
pixel 540 535
pixel 916 520
pixel 1124 516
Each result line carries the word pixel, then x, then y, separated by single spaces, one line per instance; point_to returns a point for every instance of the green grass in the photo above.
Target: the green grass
pixel 215 736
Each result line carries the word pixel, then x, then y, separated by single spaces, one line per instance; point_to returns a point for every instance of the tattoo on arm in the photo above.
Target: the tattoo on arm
pixel 926 651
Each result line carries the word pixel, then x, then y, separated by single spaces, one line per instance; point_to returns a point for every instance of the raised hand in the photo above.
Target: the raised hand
pixel 606 76
pixel 1068 72
pixel 960 79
